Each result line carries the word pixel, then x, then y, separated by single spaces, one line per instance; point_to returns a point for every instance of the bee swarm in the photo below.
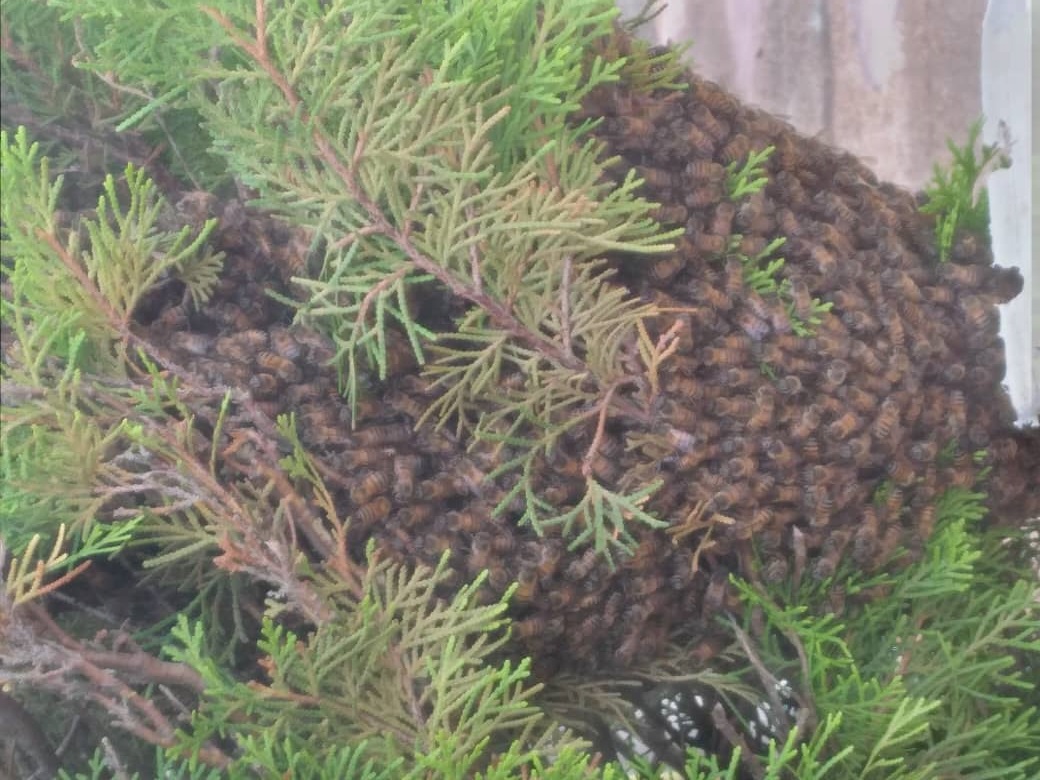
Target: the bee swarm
pixel 844 434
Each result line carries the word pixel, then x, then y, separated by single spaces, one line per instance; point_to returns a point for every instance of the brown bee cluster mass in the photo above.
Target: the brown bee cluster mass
pixel 776 447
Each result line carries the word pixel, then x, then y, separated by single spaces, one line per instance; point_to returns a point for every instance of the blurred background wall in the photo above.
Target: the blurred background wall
pixel 891 81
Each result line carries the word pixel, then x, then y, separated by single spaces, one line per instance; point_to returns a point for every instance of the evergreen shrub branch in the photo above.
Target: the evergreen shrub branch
pixel 956 195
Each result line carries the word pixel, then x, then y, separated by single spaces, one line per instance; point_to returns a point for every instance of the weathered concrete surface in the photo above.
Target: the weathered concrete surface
pixel 889 80
pixel 1008 102
pixel 892 81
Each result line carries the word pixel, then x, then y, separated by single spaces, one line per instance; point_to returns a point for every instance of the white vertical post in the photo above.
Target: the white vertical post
pixel 1007 99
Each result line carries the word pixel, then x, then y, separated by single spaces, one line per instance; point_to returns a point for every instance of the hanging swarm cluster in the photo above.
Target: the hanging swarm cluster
pixel 844 435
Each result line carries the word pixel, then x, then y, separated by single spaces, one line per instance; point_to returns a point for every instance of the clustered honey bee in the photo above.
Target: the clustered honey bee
pixel 762 436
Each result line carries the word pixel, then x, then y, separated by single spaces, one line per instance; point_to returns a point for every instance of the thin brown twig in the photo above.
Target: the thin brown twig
pixel 747 756
pixel 597 439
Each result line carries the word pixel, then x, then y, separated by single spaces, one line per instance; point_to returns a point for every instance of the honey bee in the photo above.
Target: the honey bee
pixel 729 496
pixel 788 223
pixel 965 275
pixel 373 511
pixel 703 195
pixel 856 449
pixel 715 595
pixel 581 567
pixel 844 426
pixel 901 471
pixel 789 385
pixel 739 468
pixel 1003 450
pixel 733 277
pixel 264 385
pixel 711 296
pixel 894 326
pixel 527 585
pixel 861 401
pixel 355 459
pixel 532 627
pixel 415 515
pixel 368 486
pixel 696 139
pixel 737 149
pixel 834 375
pixel 632 132
pixel 888 545
pixel 722 218
pixel 231 316
pixel 320 349
pixel 192 343
pixel 316 431
pixel 742 377
pixel 823 261
pixel 723 357
pixel 695 456
pixel 807 424
pixel 498 577
pixel 887 419
pixel 589 629
pixel 762 486
pixel 667 267
pixel 752 324
pixel 924 451
pixel 979 315
pixel 709 243
pixel 674 213
pixel 656 178
pixel 378 435
pixel 405 404
pixel 866 356
pixel 285 344
pixel 865 539
pixel 782 455
pixel 307 393
pixel 284 369
pixel 830 556
pixel 900 281
pixel 774 570
pixel 438 488
pixel 241 346
pixel 715 98
pixel 811 449
pixel 733 407
pixel 646 555
pixel 835 208
pixel 406 467
pixel 939 295
pixel 704 119
pixel 828 234
pixel 926 520
pixel 764 410
pixel 1005 285
pixel 561 597
pixel 705 170
pixel 479 556
pixel 549 554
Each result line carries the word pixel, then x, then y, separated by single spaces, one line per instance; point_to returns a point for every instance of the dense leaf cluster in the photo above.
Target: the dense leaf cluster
pixel 420 144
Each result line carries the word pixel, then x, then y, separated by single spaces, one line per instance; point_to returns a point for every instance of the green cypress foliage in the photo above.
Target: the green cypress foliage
pixel 424 145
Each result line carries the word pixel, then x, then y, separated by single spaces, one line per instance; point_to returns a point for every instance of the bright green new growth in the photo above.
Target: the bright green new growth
pixel 761 271
pixel 956 194
pixel 749 178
